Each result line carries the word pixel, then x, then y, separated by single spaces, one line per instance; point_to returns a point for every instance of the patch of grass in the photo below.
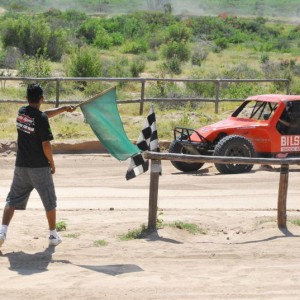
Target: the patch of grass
pixel 61 226
pixel 264 220
pixel 296 222
pixel 134 234
pixel 100 243
pixel 189 227
pixel 72 235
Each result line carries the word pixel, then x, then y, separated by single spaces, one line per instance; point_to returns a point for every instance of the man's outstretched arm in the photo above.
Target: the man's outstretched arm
pixel 52 112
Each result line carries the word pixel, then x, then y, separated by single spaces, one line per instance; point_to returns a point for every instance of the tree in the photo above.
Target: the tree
pixel 29 35
pixel 84 62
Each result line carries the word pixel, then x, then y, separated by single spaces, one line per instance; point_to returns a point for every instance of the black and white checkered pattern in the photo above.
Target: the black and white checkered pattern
pixel 148 140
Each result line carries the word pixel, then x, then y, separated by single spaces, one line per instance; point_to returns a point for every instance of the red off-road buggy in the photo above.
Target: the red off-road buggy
pixel 262 126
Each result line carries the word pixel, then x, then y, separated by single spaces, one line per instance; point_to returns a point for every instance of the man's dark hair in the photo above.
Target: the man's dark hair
pixel 34 93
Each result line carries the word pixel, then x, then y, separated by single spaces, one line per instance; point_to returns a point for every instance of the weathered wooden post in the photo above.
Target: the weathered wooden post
pixel 217 96
pixel 142 97
pixel 153 193
pixel 282 195
pixel 57 93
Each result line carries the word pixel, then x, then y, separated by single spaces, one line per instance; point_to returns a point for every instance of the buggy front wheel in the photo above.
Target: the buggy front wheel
pixel 176 147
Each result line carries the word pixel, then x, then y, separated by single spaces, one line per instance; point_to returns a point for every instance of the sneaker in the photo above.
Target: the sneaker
pixel 54 240
pixel 2 238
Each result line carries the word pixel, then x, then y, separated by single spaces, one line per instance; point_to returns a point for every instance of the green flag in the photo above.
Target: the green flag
pixel 101 112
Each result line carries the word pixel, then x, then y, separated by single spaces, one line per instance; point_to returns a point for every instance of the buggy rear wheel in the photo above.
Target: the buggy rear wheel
pixel 234 145
pixel 176 147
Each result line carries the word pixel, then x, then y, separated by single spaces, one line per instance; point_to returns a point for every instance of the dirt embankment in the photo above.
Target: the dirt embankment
pixel 9 148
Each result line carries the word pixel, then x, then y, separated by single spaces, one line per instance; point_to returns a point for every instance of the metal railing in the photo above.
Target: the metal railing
pixel 143 81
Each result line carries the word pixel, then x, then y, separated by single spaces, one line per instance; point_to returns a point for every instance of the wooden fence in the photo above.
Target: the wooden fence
pixel 156 169
pixel 143 81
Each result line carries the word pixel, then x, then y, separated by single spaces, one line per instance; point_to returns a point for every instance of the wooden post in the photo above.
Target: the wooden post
pixel 142 97
pixel 57 93
pixel 282 195
pixel 153 193
pixel 217 96
pixel 288 88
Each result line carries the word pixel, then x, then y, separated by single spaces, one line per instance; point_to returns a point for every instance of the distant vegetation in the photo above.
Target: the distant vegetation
pixel 155 42
pixel 263 8
pixel 48 38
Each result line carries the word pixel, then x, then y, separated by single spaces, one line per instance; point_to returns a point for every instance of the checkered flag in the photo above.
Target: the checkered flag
pixel 148 140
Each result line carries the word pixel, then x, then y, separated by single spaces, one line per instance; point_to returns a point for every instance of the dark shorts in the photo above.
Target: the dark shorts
pixel 27 179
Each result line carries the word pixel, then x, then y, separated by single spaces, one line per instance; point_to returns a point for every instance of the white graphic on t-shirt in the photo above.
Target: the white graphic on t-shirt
pixel 25 123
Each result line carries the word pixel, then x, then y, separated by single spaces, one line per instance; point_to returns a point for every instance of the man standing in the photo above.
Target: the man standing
pixel 34 164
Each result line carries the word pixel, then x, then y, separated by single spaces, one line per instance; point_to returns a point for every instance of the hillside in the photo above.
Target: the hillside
pixel 264 8
pixel 158 44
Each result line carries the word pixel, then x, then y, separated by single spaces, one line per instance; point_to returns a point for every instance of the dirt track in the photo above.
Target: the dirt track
pixel 98 182
pixel 243 254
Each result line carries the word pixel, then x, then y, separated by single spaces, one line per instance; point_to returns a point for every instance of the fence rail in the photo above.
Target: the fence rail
pixel 156 169
pixel 143 81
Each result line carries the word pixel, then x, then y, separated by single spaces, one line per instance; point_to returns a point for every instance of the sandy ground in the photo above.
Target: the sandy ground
pixel 242 255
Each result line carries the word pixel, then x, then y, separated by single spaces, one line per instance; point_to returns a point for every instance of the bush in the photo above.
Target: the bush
pixel 277 71
pixel 176 51
pixel 88 30
pixel 221 43
pixel 135 47
pixel 57 45
pixel 173 65
pixel 37 66
pixel 241 71
pixel 241 90
pixel 117 38
pixel 102 39
pixel 178 33
pixel 119 67
pixel 136 67
pixel 199 54
pixel 29 35
pixel 84 62
pixel 264 58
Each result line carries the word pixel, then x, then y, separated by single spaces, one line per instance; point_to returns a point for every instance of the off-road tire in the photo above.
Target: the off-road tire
pixel 234 145
pixel 176 147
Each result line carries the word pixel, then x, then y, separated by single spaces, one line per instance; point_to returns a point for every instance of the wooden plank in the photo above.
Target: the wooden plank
pixel 220 159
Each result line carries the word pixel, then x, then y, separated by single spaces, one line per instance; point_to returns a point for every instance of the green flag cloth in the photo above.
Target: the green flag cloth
pixel 101 113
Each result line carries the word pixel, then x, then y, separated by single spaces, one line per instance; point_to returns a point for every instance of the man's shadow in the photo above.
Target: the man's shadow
pixel 28 264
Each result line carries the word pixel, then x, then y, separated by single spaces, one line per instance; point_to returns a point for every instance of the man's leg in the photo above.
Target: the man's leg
pixel 51 217
pixel 54 238
pixel 8 213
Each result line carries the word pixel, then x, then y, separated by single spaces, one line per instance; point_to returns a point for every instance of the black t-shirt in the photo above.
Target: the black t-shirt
pixel 33 129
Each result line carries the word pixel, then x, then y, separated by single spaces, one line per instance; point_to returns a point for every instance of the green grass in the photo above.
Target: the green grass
pixel 134 234
pixel 100 243
pixel 142 232
pixel 72 126
pixel 189 227
pixel 72 235
pixel 296 222
pixel 61 226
